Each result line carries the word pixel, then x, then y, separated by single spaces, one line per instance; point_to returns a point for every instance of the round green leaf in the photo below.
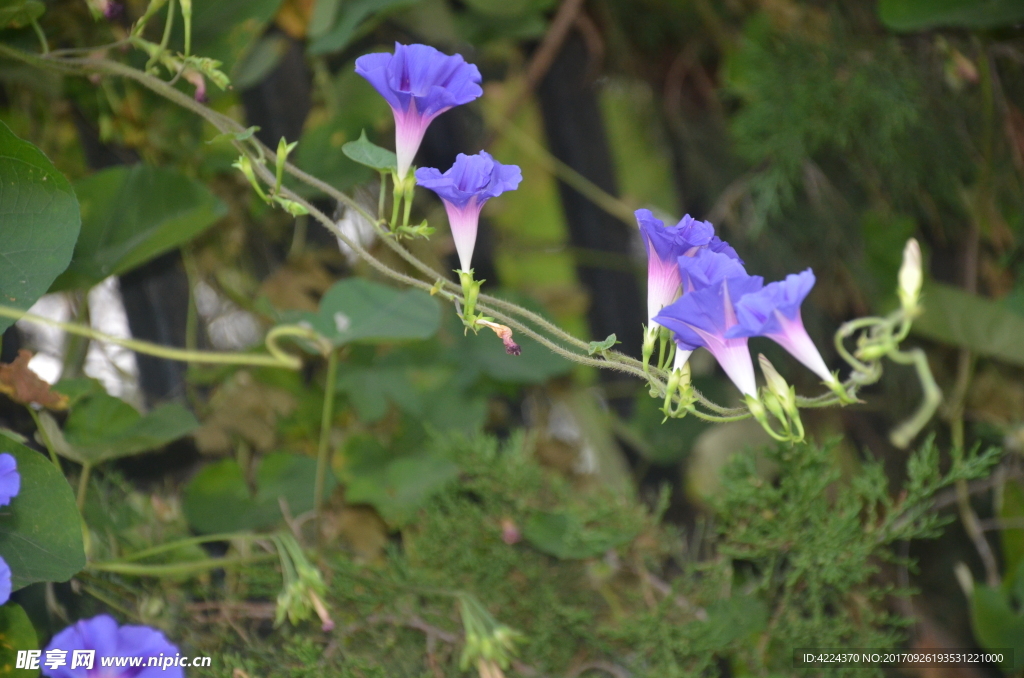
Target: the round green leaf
pixel 41 529
pixel 39 222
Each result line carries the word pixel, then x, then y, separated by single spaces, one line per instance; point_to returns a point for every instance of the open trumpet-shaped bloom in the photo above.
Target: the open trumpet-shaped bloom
pixel 665 244
pixel 774 312
pixel 10 479
pixel 704 317
pixel 464 188
pixel 102 634
pixel 419 83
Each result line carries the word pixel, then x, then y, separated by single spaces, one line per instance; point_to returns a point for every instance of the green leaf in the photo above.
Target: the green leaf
pixel 996 624
pixel 535 365
pixel 331 38
pixel 953 316
pixel 131 215
pixel 399 487
pixel 259 61
pixel 219 500
pixel 322 20
pixel 39 223
pixel 41 529
pixel 365 152
pixel 483 351
pixel 227 30
pixel 369 389
pixel 920 15
pixel 16 633
pixel 237 136
pixel 1012 509
pixel 355 309
pixel 596 346
pixel 101 428
pixel 20 12
pixel 563 536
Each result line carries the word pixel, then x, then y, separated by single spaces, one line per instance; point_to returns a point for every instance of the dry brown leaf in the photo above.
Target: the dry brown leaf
pixel 24 386
pixel 298 285
pixel 360 527
pixel 245 409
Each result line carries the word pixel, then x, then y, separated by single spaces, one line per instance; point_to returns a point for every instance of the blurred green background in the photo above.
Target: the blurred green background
pixel 816 134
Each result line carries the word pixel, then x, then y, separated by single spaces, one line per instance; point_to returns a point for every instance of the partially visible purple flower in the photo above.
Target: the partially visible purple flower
pixel 5 581
pixel 464 188
pixel 705 316
pixel 10 479
pixel 665 244
pixel 774 312
pixel 102 634
pixel 419 83
pixel 707 267
pixel 722 247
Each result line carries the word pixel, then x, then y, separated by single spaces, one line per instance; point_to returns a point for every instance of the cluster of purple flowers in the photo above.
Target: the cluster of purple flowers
pixel 10 486
pixel 698 288
pixel 420 83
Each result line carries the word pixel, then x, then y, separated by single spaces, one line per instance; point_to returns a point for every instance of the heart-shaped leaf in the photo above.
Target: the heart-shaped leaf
pixel 396 489
pixel 39 223
pixel 101 428
pixel 967 320
pixel 365 152
pixel 355 309
pixel 132 214
pixel 218 499
pixel 41 529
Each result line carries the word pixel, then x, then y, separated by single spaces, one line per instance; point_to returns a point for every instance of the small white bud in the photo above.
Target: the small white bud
pixel 910 277
pixel 777 386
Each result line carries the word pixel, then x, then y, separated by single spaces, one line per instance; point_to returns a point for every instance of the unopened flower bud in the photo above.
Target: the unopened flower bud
pixel 910 276
pixel 777 386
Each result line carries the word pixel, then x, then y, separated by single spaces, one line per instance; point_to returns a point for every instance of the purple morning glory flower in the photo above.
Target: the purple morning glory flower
pixel 419 83
pixel 464 188
pixel 10 479
pixel 704 317
pixel 665 244
pixel 774 312
pixel 102 634
pixel 705 268
pixel 5 581
pixel 722 247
